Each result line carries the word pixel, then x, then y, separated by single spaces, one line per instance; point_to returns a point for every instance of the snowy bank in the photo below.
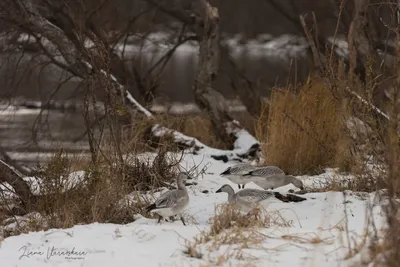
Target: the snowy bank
pixel 322 227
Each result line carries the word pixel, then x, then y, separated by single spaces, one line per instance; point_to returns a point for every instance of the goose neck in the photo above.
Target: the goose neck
pixel 181 184
pixel 231 194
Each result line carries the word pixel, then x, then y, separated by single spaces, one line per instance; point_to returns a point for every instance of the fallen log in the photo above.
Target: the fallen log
pixel 244 147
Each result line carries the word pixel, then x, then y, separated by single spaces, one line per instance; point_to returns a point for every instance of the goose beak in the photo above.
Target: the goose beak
pixel 225 172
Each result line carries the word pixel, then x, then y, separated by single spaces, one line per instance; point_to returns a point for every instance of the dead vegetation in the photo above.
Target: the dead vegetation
pixel 391 257
pixel 227 217
pixel 147 174
pixel 197 126
pixel 366 181
pixel 303 132
pixel 230 227
pixel 320 124
pixel 97 194
pixel 307 238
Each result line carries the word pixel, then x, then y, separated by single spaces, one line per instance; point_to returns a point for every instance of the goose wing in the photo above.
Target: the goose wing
pixel 265 171
pixel 169 199
pixel 238 169
pixel 254 195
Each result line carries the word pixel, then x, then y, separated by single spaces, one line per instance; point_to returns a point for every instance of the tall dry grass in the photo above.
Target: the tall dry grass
pixel 303 132
pixel 392 242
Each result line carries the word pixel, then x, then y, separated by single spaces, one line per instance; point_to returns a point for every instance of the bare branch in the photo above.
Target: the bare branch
pixel 8 160
pixel 10 176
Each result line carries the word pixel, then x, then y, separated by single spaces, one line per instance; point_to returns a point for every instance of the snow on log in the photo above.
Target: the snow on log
pixel 244 146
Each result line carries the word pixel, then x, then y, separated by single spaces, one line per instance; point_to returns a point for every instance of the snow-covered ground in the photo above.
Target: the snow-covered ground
pixel 324 230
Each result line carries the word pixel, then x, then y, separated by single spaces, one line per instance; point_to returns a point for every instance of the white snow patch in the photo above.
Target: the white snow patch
pixel 341 46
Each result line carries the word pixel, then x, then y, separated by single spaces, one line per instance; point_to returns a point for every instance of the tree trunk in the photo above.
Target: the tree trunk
pixel 204 20
pixel 206 97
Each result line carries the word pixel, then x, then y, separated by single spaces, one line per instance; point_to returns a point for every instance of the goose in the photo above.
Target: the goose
pixel 172 202
pixel 235 173
pixel 248 199
pixel 271 177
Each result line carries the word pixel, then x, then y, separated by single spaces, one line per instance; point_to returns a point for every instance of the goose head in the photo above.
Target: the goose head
pixel 258 158
pixel 299 184
pixel 226 188
pixel 183 176
pixel 296 182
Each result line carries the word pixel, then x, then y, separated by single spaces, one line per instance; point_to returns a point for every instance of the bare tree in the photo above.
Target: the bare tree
pixel 60 34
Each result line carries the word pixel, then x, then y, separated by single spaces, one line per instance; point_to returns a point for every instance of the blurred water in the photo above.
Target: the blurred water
pixel 55 130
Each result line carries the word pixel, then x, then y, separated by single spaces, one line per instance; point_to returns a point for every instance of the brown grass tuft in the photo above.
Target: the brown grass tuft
pixel 148 174
pixel 304 132
pixel 227 217
pixel 231 227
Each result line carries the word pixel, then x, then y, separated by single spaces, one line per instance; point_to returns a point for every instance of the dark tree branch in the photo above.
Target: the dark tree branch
pixel 10 176
pixel 8 160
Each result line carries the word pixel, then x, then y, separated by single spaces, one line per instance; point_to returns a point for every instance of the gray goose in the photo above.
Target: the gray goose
pixel 172 202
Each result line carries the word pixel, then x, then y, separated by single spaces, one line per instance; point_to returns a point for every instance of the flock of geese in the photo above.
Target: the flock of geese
pixel 174 202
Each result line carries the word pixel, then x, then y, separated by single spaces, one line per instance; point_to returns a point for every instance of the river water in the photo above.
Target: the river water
pixel 54 130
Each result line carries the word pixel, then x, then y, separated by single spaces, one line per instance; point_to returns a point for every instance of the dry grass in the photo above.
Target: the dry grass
pixel 392 209
pixel 95 199
pixel 79 162
pixel 308 238
pixel 149 174
pixel 304 132
pixel 227 217
pixel 99 196
pixel 197 126
pixel 362 182
pixel 236 238
pixel 229 227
